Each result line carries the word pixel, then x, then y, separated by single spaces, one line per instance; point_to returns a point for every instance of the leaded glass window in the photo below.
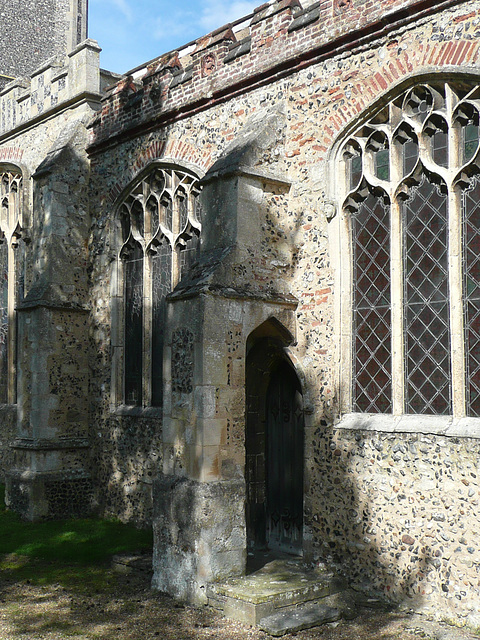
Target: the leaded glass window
pixel 372 322
pixel 12 280
pixel 426 300
pixel 161 229
pixel 412 202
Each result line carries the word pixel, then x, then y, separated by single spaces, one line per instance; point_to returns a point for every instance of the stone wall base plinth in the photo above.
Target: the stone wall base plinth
pixel 49 495
pixel 199 535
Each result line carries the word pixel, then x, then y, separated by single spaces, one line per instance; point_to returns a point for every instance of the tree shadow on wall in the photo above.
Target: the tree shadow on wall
pixel 368 523
pixel 363 509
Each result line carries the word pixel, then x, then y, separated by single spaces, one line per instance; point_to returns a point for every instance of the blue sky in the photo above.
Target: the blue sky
pixel 131 32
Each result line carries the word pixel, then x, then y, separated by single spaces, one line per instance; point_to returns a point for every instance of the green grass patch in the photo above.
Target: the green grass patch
pixel 64 551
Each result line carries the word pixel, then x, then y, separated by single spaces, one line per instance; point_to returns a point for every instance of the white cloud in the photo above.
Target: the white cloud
pixel 180 24
pixel 213 14
pixel 121 5
pixel 216 13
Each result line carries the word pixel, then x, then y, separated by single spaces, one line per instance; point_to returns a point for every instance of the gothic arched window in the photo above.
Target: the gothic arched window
pixel 160 240
pixel 11 277
pixel 412 209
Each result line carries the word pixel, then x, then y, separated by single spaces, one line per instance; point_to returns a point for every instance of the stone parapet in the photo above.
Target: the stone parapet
pixel 279 38
pixel 55 85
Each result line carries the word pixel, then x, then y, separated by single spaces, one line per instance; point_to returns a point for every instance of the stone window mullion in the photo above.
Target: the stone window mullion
pixel 456 271
pixel 456 303
pixel 147 330
pixel 175 233
pixel 398 356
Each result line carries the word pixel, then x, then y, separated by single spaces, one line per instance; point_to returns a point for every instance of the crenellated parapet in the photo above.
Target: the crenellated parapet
pixel 58 84
pixel 278 38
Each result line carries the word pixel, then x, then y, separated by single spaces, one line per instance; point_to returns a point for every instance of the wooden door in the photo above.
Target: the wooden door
pixel 284 461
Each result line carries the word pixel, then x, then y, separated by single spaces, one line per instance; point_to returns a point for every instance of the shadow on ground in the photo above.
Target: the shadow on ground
pixel 107 605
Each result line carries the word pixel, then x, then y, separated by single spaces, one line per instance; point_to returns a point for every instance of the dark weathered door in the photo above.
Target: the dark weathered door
pixel 284 461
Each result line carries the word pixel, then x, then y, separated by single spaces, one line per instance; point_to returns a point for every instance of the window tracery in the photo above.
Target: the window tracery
pixel 412 205
pixel 160 240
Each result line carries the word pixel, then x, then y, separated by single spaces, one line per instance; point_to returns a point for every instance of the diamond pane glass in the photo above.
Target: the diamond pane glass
pixel 3 322
pixel 182 207
pixel 440 148
pixel 161 287
pixel 355 170
pixel 372 318
pixel 133 326
pixel 167 211
pixel 138 217
pixel 152 207
pixel 189 254
pixel 382 164
pixel 471 248
pixel 427 331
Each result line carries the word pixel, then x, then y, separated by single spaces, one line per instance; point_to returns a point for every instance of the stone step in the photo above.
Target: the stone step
pixel 281 584
pixel 128 563
pixel 310 614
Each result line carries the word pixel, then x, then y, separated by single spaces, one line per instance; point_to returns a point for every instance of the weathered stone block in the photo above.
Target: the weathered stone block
pixel 196 526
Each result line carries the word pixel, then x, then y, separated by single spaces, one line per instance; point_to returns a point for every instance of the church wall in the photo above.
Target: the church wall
pixel 403 509
pixel 395 509
pixel 42 135
pixel 8 420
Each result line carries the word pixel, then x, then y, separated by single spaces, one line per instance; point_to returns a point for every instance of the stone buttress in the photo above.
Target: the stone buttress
pixel 199 500
pixel 50 476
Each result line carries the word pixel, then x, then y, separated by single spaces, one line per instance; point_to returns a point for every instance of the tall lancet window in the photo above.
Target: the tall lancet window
pixel 412 207
pixel 11 277
pixel 161 230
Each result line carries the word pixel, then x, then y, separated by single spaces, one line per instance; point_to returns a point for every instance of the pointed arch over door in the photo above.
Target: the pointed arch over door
pixel 274 446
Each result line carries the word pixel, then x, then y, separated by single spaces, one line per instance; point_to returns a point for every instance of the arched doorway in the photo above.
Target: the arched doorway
pixel 274 449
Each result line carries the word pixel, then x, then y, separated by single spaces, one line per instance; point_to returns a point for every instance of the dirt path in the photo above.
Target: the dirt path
pixel 129 610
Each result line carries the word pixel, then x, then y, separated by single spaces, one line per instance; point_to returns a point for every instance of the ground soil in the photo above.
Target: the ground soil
pixel 129 610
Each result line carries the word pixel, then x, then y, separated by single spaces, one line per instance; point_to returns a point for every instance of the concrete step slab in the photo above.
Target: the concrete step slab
pixel 310 614
pixel 279 584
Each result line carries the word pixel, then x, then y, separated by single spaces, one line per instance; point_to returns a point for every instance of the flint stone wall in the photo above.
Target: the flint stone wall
pixel 403 509
pixel 35 30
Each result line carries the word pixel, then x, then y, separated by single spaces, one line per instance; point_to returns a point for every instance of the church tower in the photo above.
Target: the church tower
pixel 35 30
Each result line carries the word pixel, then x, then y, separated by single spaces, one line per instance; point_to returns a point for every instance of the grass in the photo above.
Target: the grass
pixel 67 552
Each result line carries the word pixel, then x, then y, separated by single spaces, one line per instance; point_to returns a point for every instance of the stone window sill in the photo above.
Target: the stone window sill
pixel 140 412
pixel 438 425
